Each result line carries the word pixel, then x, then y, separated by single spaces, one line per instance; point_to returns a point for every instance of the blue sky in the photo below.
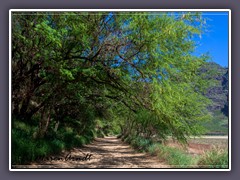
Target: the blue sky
pixel 215 40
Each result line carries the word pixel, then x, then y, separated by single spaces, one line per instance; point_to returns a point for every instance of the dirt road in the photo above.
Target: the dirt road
pixel 211 137
pixel 108 152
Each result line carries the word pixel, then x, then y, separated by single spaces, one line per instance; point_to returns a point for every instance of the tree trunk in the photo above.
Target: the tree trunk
pixel 56 126
pixel 44 123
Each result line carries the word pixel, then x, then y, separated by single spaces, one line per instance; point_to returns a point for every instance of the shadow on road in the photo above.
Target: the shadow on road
pixel 108 152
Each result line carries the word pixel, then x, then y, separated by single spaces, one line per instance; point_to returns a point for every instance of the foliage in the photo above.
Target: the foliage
pixel 76 75
pixel 218 93
pixel 26 148
pixel 216 158
pixel 179 158
pixel 139 143
pixel 218 125
pixel 176 157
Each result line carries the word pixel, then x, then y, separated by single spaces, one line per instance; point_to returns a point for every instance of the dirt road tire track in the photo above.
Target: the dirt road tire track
pixel 108 152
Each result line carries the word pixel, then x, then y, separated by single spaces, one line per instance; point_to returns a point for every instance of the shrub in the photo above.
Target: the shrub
pixel 79 141
pixel 176 157
pixel 139 143
pixel 57 146
pixel 100 134
pixel 21 126
pixel 43 148
pixel 144 143
pixel 21 147
pixel 216 158
pixel 25 148
pixel 88 139
pixel 128 139
pixel 153 149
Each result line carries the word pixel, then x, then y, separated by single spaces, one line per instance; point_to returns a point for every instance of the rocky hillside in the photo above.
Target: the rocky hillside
pixel 218 93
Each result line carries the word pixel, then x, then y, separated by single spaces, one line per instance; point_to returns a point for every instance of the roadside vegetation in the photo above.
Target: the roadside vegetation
pixel 81 75
pixel 216 157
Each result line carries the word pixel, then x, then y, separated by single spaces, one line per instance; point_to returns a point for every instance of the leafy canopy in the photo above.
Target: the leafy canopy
pixel 137 67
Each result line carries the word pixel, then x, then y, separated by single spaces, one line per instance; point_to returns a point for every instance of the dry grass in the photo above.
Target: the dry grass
pixel 214 142
pixel 216 158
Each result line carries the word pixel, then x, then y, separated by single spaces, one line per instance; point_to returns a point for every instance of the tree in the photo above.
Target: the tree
pixel 73 66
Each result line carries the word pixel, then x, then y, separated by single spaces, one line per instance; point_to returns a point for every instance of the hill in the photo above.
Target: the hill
pixel 218 93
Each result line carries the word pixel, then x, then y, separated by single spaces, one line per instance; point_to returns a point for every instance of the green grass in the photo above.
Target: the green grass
pixel 26 148
pixel 173 156
pixel 216 158
pixel 217 125
pixel 179 158
pixel 139 143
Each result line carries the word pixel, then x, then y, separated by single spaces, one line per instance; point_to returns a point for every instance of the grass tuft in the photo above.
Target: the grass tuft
pixel 216 158
pixel 176 157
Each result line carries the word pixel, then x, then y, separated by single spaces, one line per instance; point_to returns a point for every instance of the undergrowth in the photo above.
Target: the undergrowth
pixel 216 158
pixel 26 148
pixel 179 158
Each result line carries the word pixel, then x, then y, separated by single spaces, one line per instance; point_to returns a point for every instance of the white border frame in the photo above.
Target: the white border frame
pixel 123 10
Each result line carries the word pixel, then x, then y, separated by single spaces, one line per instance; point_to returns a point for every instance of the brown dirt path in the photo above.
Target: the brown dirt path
pixel 108 152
